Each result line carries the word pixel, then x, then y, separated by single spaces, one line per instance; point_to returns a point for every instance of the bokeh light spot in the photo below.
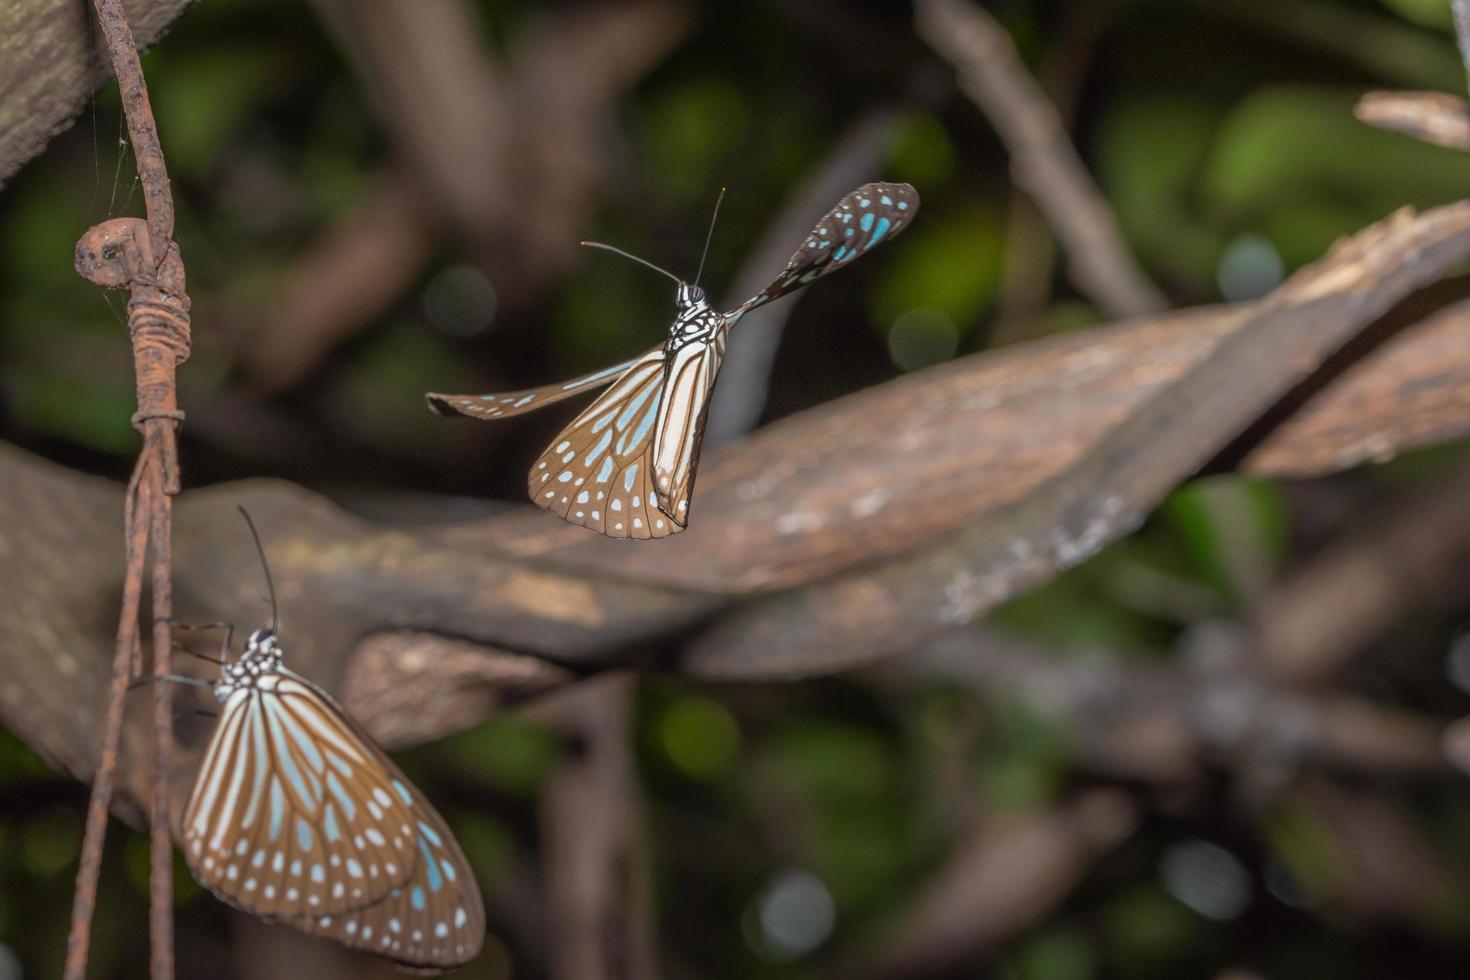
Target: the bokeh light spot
pixel 793 915
pixel 460 301
pixel 1249 268
pixel 1207 878
pixel 699 737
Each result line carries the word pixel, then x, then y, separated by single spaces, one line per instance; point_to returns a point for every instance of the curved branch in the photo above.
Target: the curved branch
pixel 877 512
pixel 1106 491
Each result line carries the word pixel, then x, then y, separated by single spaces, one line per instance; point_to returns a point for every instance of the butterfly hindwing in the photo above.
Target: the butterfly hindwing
pixel 433 920
pixel 597 472
pixel 504 404
pixel 293 813
pixel 862 220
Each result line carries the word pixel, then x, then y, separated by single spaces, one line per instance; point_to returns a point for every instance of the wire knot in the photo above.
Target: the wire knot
pixel 174 415
pixel 161 324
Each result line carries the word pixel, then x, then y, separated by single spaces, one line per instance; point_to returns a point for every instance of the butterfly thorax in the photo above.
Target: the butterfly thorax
pixel 260 662
pixel 697 323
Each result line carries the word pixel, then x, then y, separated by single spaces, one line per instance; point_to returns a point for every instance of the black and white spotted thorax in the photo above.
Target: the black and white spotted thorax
pixel 261 659
pixel 696 322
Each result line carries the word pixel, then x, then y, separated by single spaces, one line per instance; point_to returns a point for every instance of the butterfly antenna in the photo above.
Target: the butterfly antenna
pixel 260 549
pixel 630 255
pixel 709 236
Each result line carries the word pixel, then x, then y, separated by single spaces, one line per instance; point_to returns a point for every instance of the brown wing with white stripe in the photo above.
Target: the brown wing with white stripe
pixel 433 921
pixel 597 473
pixel 292 813
pixel 504 404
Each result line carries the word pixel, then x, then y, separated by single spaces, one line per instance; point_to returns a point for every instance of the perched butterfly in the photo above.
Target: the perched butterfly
pixel 297 816
pixel 625 467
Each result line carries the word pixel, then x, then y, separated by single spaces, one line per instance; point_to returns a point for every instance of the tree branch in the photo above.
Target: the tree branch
pixel 806 505
pixel 1105 493
pixel 1043 160
pixel 52 66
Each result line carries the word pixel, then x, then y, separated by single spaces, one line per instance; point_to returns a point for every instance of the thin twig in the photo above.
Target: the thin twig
pixel 1434 117
pixel 84 899
pixel 142 256
pixel 147 152
pixel 160 839
pixel 1043 160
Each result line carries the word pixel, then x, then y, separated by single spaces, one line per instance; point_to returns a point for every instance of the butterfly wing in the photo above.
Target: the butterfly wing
pixel 293 812
pixel 505 404
pixel 435 920
pixel 428 908
pixel 862 220
pixel 597 473
pixel 680 429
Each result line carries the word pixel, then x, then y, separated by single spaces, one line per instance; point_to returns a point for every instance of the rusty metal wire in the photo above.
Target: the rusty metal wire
pixel 139 255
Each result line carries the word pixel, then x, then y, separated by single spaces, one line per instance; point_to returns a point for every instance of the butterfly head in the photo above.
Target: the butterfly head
pixel 262 641
pixel 690 298
pixel 262 658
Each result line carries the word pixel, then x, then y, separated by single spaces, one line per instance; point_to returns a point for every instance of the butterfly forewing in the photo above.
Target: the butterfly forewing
pixel 434 920
pixel 294 812
pixel 505 404
pixel 862 220
pixel 689 380
pixel 597 472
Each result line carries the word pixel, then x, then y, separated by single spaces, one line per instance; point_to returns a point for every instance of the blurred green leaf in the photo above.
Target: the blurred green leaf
pixel 1235 528
pixel 49 842
pixel 488 845
pixel 199 97
pixel 1078 610
pixel 847 782
pixel 1150 152
pixel 1300 148
pixel 1027 759
pixel 1148 932
pixel 920 150
pixel 1401 55
pixel 1057 953
pixel 948 262
pixel 1307 848
pixel 392 369
pixel 1430 13
pixel 690 128
pixel 508 753
pixel 93 415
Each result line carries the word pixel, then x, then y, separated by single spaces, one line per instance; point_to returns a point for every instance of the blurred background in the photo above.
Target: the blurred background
pixel 351 242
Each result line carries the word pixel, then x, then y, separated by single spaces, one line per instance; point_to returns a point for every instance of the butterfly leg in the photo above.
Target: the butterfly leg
pixel 174 678
pixel 224 647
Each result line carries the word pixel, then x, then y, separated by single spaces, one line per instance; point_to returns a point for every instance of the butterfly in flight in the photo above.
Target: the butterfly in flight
pixel 298 817
pixel 625 467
